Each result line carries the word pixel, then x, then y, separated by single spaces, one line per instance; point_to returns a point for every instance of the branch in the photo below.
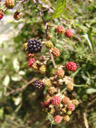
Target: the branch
pixel 21 2
pixel 46 29
pixel 22 88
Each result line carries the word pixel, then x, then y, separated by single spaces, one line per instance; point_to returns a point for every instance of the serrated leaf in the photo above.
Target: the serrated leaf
pixel 60 6
pixel 6 80
pixel 16 64
pixel 90 37
pixel 89 41
pixel 91 91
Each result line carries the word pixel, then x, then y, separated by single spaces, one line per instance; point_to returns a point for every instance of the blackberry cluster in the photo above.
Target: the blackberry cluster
pixel 38 84
pixel 34 46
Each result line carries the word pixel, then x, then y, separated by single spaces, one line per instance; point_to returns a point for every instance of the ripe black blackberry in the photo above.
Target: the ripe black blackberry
pixel 34 46
pixel 38 84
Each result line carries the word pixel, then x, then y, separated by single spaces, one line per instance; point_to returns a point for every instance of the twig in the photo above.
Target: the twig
pixel 52 59
pixel 46 33
pixel 46 6
pixel 23 79
pixel 91 103
pixel 23 1
pixel 22 88
pixel 85 120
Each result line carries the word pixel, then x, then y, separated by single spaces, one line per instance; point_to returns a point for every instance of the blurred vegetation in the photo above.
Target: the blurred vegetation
pixel 22 109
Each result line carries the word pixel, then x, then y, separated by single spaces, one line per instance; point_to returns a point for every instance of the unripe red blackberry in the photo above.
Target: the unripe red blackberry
pixel 58 119
pixel 56 100
pixel 46 103
pixel 31 62
pixel 71 66
pixel 75 102
pixel 55 52
pixel 66 100
pixel 69 33
pixel 48 44
pixel 38 84
pixel 17 15
pixel 60 29
pixel 1 14
pixel 60 73
pixel 47 82
pixel 52 90
pixel 9 4
pixel 34 46
pixel 42 69
pixel 71 107
pixel 66 118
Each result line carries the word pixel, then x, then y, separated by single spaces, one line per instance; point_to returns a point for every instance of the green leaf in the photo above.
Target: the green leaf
pixel 1 113
pixel 91 91
pixel 4 58
pixel 16 78
pixel 17 100
pixel 89 41
pixel 61 4
pixel 90 36
pixel 16 64
pixel 21 73
pixel 6 80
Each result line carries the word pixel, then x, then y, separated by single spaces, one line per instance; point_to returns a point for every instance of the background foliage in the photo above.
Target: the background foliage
pixel 22 109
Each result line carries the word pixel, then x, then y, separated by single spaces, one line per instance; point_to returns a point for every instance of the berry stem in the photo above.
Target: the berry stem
pixel 85 120
pixel 63 90
pixel 52 59
pixel 46 31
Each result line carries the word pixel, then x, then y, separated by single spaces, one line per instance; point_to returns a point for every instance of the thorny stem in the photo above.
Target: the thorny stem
pixel 23 1
pixel 46 31
pixel 46 6
pixel 22 88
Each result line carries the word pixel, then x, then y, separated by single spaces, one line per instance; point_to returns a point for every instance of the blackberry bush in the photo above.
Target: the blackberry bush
pixel 64 72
